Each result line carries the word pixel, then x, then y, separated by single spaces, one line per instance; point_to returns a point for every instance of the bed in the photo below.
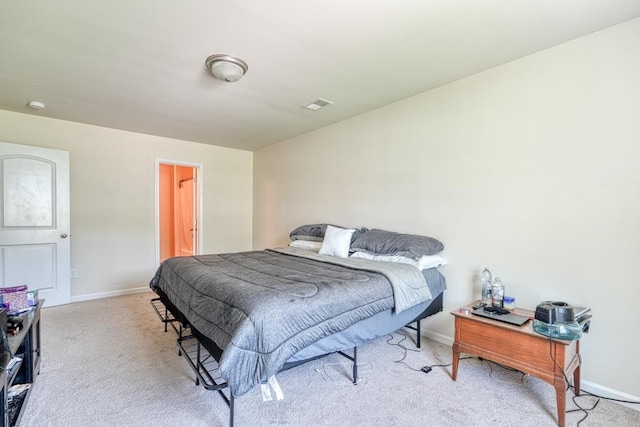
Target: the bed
pixel 259 312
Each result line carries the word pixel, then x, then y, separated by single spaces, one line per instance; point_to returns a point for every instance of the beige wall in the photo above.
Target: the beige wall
pixel 530 169
pixel 113 197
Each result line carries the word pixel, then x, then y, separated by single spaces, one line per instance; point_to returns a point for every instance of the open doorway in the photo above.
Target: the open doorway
pixel 178 208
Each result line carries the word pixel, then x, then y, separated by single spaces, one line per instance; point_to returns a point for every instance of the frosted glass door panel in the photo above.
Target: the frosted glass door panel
pixel 31 265
pixel 28 199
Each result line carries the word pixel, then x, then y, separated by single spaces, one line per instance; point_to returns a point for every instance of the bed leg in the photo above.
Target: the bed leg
pixel 355 365
pixel 231 400
pixel 418 335
pixel 198 362
pixel 166 316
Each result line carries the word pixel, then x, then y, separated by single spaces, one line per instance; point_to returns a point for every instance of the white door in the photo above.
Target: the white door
pixel 35 241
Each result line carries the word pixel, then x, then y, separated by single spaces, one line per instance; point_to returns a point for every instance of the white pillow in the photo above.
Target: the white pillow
pixel 310 245
pixel 425 262
pixel 337 241
pixel 431 261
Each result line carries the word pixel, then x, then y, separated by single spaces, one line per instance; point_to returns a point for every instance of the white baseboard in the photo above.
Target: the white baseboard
pixel 443 339
pixel 606 392
pixel 87 297
pixel 587 386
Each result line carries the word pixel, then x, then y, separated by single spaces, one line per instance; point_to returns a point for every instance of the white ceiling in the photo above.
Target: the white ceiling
pixel 138 65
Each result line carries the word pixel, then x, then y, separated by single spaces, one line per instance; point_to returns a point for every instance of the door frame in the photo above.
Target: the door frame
pixel 199 234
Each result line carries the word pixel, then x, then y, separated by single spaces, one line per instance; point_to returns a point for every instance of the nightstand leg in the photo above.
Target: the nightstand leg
pixel 561 399
pixel 455 360
pixel 576 372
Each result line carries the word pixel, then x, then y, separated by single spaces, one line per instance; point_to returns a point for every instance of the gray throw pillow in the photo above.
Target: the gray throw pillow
pixel 315 232
pixel 382 242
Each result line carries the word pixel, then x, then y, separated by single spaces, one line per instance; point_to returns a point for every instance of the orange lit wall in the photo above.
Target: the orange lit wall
pixel 170 221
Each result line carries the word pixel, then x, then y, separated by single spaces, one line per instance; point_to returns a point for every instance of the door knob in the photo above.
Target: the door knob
pixel 64 235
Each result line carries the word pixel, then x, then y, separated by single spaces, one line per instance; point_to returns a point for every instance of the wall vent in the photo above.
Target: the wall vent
pixel 317 104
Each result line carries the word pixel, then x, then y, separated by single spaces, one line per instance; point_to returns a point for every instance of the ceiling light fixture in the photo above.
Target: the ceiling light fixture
pixel 37 105
pixel 226 67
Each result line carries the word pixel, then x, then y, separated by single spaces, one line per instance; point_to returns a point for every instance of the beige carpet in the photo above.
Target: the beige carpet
pixel 108 362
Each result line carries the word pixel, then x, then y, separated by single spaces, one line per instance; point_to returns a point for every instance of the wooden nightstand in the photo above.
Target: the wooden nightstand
pixel 519 347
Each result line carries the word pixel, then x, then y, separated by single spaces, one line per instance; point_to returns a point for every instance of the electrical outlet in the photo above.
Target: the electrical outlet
pixel 74 273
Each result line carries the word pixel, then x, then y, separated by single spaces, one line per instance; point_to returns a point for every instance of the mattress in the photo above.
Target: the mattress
pixel 263 307
pixel 377 325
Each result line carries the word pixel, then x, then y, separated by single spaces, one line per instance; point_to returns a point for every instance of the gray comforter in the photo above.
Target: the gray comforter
pixel 262 307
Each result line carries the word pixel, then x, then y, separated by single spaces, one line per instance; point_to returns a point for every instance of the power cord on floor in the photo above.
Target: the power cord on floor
pixel 582 392
pixel 404 348
pixel 582 409
pixel 339 377
pixel 426 369
pixel 489 363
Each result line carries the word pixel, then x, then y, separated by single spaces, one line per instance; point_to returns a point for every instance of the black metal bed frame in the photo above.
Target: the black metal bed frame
pixel 203 354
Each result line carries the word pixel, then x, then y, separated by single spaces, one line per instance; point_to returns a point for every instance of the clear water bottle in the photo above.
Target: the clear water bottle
pixel 497 292
pixel 483 289
pixel 485 283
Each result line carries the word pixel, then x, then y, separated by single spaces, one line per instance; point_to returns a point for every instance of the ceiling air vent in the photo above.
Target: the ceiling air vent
pixel 317 104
